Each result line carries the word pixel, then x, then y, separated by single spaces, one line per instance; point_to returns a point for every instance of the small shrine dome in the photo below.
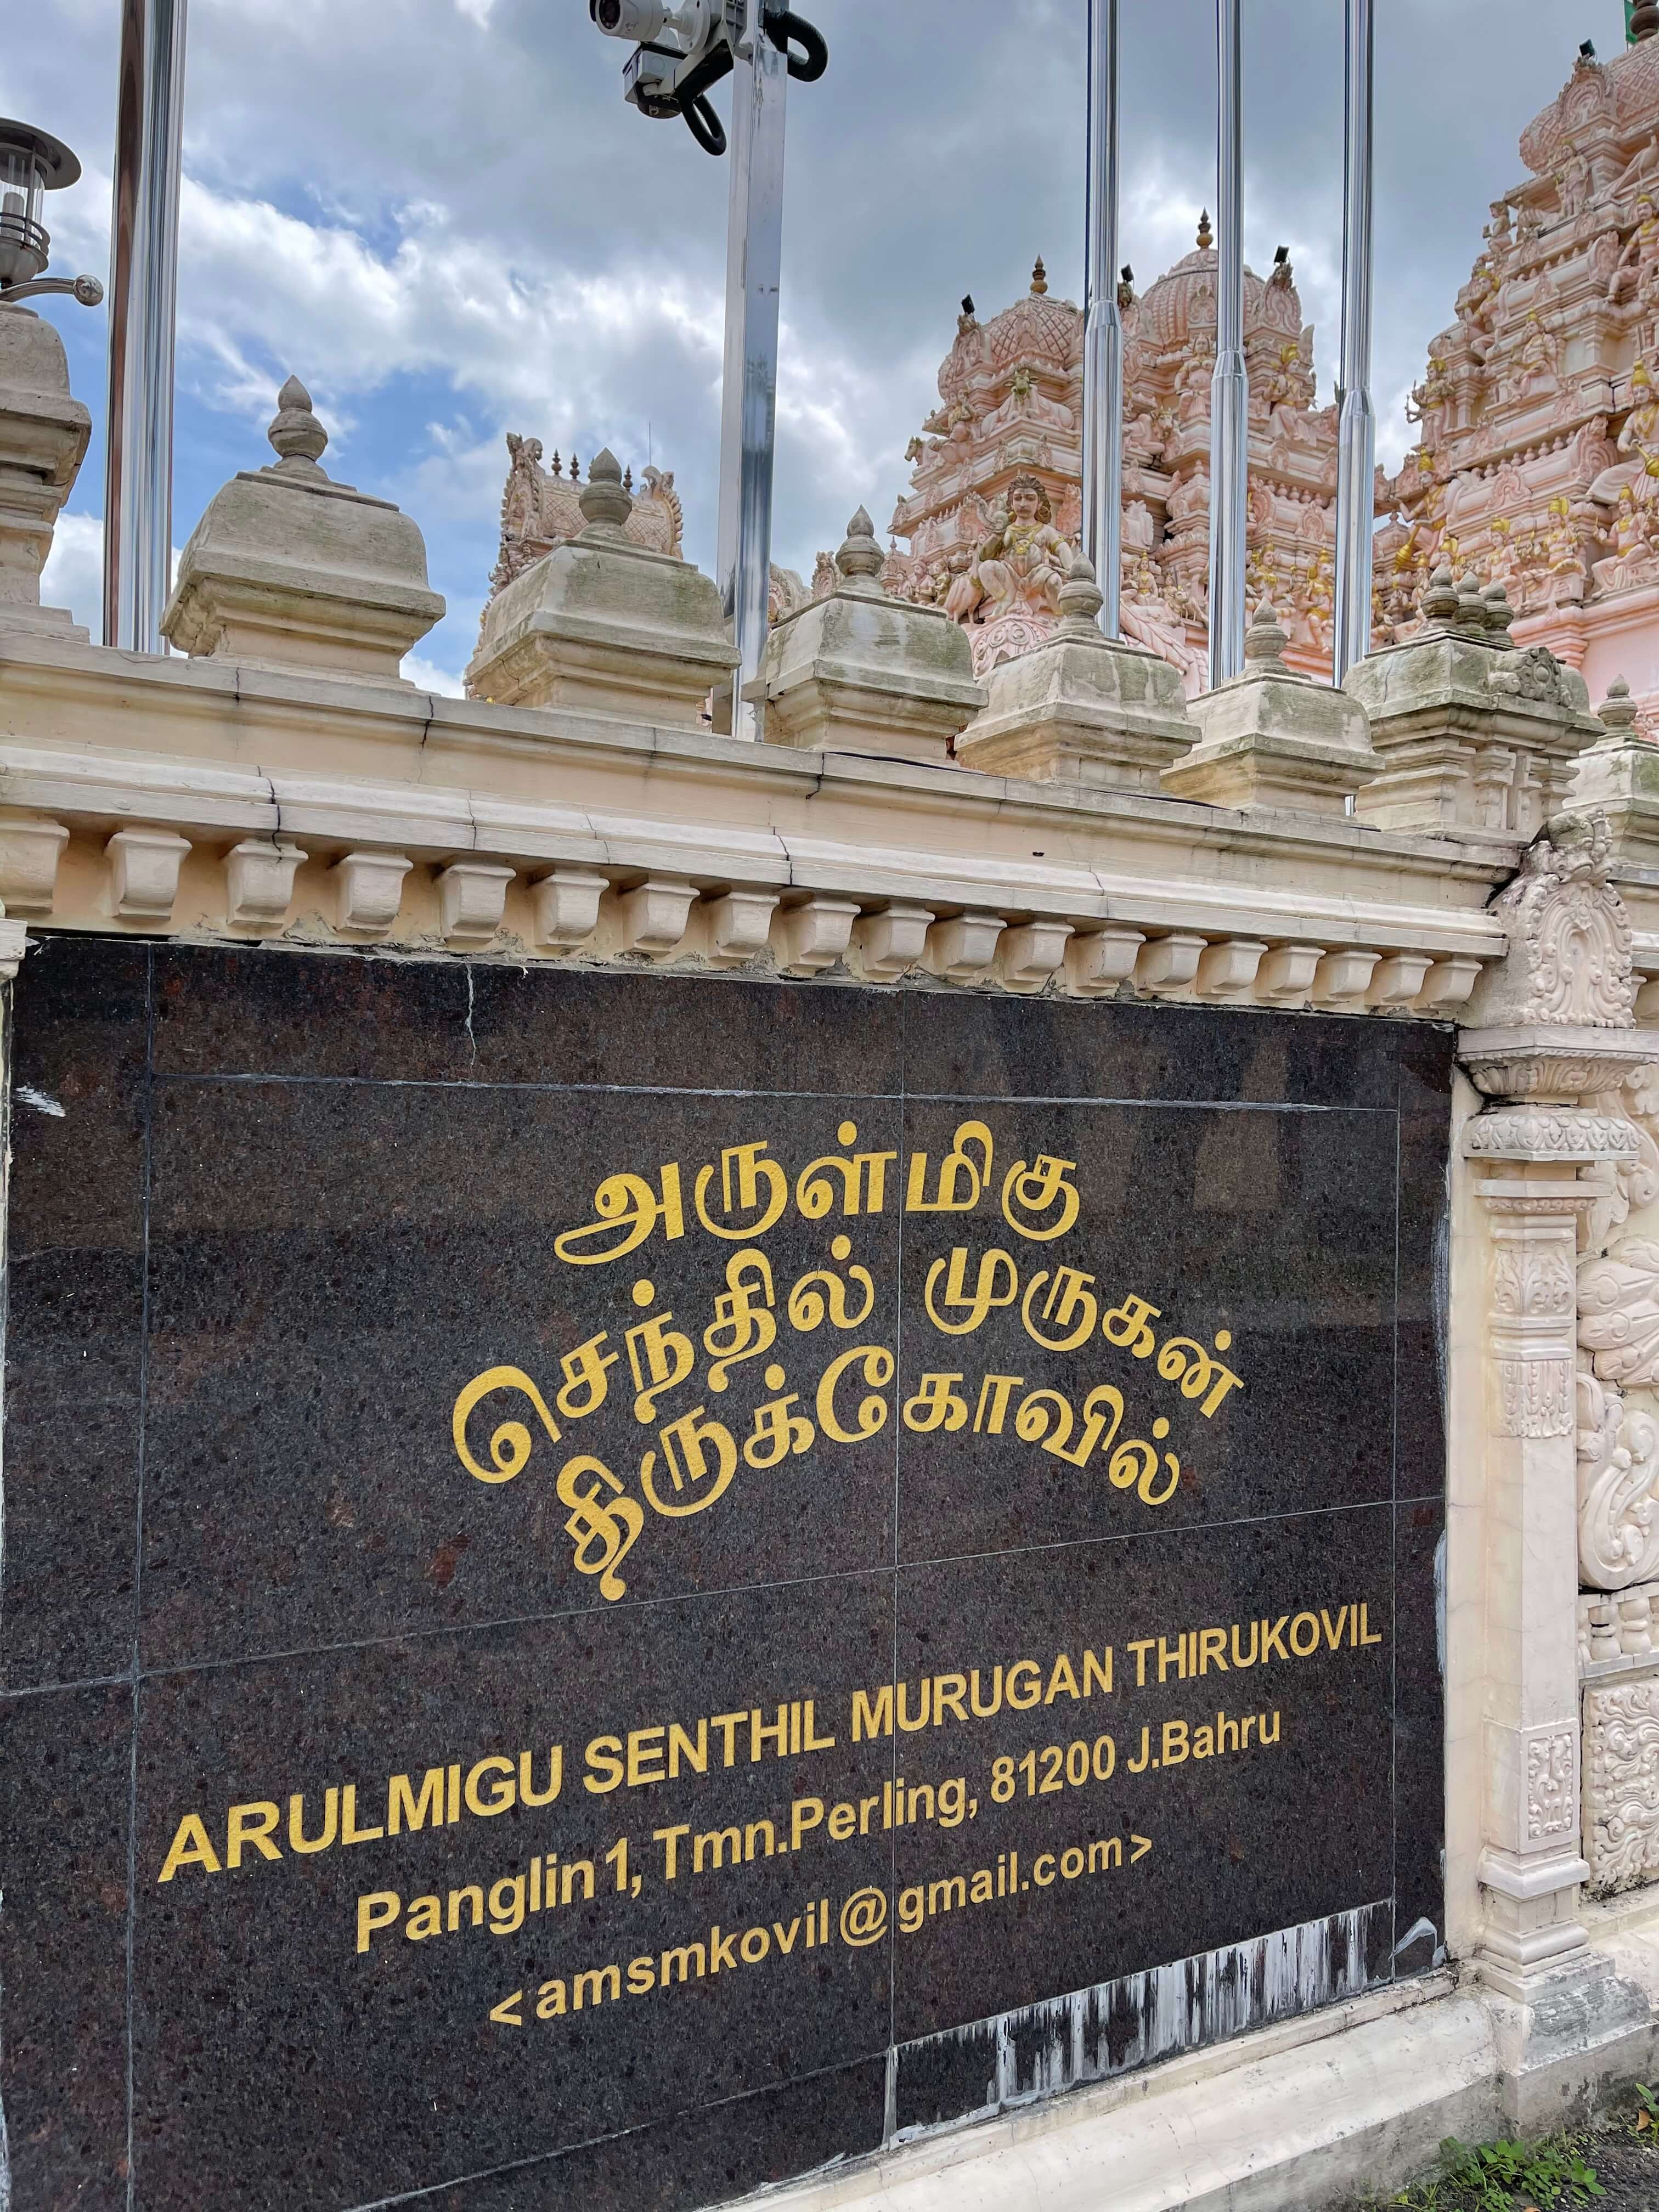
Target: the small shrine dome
pixel 1036 332
pixel 1045 332
pixel 1181 301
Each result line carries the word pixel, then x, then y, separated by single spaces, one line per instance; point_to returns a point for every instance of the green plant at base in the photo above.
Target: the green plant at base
pixel 1503 2176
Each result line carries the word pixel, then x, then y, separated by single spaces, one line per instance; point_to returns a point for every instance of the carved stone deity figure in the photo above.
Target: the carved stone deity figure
pixel 1539 367
pixel 1637 268
pixel 1026 403
pixel 1638 442
pixel 1024 562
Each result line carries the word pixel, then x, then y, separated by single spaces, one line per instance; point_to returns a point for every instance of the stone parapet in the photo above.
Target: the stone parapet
pixel 43 440
pixel 861 673
pixel 287 568
pixel 1473 735
pixel 1123 889
pixel 604 625
pixel 1272 739
pixel 1081 708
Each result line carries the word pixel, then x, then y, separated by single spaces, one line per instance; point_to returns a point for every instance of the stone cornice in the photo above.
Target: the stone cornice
pixel 94 743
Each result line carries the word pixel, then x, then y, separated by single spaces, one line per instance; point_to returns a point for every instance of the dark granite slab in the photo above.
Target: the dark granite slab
pixel 436 2088
pixel 297 1206
pixel 75 1317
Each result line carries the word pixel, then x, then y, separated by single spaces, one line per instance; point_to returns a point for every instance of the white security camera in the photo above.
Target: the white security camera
pixel 639 20
pixel 680 52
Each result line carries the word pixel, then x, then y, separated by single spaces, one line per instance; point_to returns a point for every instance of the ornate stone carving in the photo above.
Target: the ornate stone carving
pixel 542 508
pixel 1621 1784
pixel 1573 930
pixel 1534 1397
pixel 1618 1312
pixel 1011 414
pixel 1520 1132
pixel 1552 1784
pixel 1618 1469
pixel 1537 674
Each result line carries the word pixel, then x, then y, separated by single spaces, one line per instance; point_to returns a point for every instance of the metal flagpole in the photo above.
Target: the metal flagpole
pixel 143 309
pixel 1356 436
pixel 754 259
pixel 1102 328
pixel 1230 384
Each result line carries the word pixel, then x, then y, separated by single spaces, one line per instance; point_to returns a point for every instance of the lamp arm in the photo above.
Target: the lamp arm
pixel 87 289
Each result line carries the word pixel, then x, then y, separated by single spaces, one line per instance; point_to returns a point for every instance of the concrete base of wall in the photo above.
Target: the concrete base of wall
pixel 1308 2114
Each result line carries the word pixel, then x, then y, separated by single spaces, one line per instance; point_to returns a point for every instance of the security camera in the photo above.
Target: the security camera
pixel 644 20
pixel 682 50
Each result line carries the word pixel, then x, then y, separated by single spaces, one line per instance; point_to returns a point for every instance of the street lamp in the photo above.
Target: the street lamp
pixel 31 164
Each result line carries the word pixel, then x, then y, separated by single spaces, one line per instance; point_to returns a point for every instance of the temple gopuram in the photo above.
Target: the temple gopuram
pixel 1536 464
pixel 1538 455
pixel 996 501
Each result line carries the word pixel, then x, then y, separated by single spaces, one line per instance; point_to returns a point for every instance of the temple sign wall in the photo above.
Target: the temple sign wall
pixel 491 1185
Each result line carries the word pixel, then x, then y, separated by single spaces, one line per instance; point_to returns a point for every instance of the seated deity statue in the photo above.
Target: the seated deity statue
pixel 1026 403
pixel 1639 445
pixel 1022 565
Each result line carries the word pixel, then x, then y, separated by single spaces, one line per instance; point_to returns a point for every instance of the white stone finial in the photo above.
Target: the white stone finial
pixel 1618 710
pixel 1471 603
pixel 289 568
pixel 299 437
pixel 605 504
pixel 1080 600
pixel 860 556
pixel 1265 639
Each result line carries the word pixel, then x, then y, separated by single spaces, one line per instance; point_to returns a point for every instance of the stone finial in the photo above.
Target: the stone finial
pixel 605 504
pixel 292 570
pixel 1471 602
pixel 1618 710
pixel 299 437
pixel 1080 709
pixel 860 557
pixel 604 625
pixel 1268 738
pixel 1644 21
pixel 43 437
pixel 1039 279
pixel 1439 600
pixel 1265 639
pixel 1205 235
pixel 1499 613
pixel 1081 600
pixel 857 672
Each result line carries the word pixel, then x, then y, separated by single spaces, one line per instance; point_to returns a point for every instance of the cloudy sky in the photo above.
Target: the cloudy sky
pixel 440 215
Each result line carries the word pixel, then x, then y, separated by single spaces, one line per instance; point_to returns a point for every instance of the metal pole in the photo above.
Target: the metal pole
pixel 1356 436
pixel 754 259
pixel 143 303
pixel 1102 328
pixel 1230 390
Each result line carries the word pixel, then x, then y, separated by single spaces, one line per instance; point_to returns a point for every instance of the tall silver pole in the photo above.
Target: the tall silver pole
pixel 142 308
pixel 754 260
pixel 1356 434
pixel 1230 392
pixel 1102 328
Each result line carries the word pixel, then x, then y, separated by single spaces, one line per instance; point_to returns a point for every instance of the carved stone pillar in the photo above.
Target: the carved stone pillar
pixel 1530 1868
pixel 1555 1027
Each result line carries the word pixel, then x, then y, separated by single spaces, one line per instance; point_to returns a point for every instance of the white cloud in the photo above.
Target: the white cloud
pixel 427 676
pixel 74 575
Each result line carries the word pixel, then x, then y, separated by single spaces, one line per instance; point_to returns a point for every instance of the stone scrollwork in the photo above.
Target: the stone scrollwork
pixel 1621 1783
pixel 1618 1312
pixel 1619 1353
pixel 1618 1469
pixel 1569 936
pixel 1552 1784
